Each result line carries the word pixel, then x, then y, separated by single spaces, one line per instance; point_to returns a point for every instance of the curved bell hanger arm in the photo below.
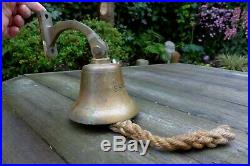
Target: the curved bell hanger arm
pixel 50 34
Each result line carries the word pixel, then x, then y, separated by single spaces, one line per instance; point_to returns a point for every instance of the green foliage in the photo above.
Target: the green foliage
pixel 144 28
pixel 139 17
pixel 131 14
pixel 186 19
pixel 112 37
pixel 151 46
pixel 192 53
pixel 233 62
pixel 157 49
pixel 24 54
pixel 178 22
pixel 128 38
pixel 72 10
pixel 147 38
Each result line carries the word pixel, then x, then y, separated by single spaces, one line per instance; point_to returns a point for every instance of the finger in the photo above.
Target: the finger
pixel 9 5
pixel 24 11
pixel 7 9
pixel 18 21
pixel 5 23
pixel 35 6
pixel 12 31
pixel 10 21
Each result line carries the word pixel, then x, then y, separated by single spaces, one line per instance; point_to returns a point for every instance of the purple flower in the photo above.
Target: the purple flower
pixel 230 33
pixel 236 17
pixel 244 18
pixel 223 21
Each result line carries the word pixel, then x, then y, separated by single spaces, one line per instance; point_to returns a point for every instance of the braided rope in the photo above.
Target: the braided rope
pixel 197 140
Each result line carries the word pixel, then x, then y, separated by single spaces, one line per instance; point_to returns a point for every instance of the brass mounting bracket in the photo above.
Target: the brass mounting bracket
pixel 50 34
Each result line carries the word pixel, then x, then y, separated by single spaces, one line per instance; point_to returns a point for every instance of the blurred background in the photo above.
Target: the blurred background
pixel 211 34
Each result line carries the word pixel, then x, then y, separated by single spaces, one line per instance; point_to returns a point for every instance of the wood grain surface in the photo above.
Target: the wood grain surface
pixel 173 99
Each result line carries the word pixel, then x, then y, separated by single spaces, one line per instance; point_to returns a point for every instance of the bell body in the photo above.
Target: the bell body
pixel 103 98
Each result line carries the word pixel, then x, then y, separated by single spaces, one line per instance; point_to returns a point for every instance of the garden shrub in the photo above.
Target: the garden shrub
pixel 186 20
pixel 24 54
pixel 233 62
pixel 150 46
pixel 192 53
pixel 204 24
pixel 67 11
pixel 157 49
pixel 144 27
pixel 129 45
pixel 141 16
pixel 112 37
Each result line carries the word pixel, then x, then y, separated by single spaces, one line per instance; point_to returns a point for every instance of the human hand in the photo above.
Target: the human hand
pixel 14 14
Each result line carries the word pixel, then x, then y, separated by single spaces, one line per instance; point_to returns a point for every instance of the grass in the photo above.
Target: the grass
pixel 233 62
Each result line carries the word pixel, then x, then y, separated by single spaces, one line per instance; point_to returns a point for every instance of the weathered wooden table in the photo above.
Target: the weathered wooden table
pixel 173 99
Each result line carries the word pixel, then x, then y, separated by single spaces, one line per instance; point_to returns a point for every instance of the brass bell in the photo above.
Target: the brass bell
pixel 103 98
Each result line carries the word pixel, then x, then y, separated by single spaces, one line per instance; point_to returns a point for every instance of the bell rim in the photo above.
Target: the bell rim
pixel 101 122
